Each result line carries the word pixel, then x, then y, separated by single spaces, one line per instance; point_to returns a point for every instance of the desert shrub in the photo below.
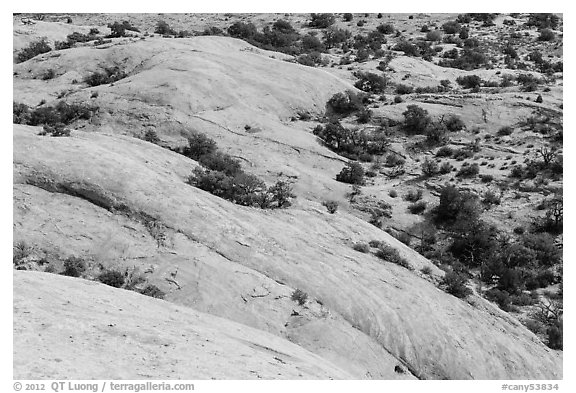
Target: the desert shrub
pixel 502 298
pixel 334 36
pixel 74 267
pixel 546 252
pixel 34 49
pixel 347 17
pixel 444 151
pixel 445 168
pixel 151 136
pixel 555 336
pixel 454 123
pixel 299 296
pixel 242 30
pixel 413 195
pixel 406 47
pixel 110 75
pixel 199 145
pixel 429 167
pixel 361 247
pixel 393 193
pixel 455 284
pixel 398 99
pixel 451 27
pixel 417 207
pixel 360 23
pixel 404 89
pixel 486 178
pixel 416 119
pixel 310 59
pixel 491 198
pixel 506 130
pixel 469 81
pixel 281 193
pixel 468 171
pixel 434 35
pixel 370 82
pixel 345 103
pixel 392 255
pixel 321 21
pixel 364 116
pixel 164 29
pixel 221 162
pixel 352 173
pixel 546 35
pixel 61 113
pixel 55 130
pixel 153 291
pixel 386 28
pixel 427 270
pixel 119 29
pixel 455 204
pixel 49 74
pixel 331 206
pixel 20 113
pixel 467 59
pixel 462 154
pixel 113 278
pixel 543 20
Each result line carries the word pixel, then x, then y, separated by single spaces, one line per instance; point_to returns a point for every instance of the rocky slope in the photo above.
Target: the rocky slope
pixel 229 271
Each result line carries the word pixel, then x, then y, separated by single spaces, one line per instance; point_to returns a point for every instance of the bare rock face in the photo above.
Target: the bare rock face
pixel 66 328
pixel 243 263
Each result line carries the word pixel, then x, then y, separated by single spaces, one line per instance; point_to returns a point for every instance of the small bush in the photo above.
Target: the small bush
pixel 413 195
pixel 416 119
pixel 153 291
pixel 468 171
pixel 404 89
pixel 55 130
pixel 392 255
pixel 429 167
pixel 455 284
pixel 361 247
pixel 331 206
pixel 417 208
pixel 321 21
pixel 398 99
pixel 34 49
pixel 454 123
pixel 74 267
pixel 151 136
pixel 164 29
pixel 491 198
pixel 444 151
pixel 353 173
pixel 434 35
pixel 345 103
pixel 370 82
pixel 506 130
pixel 299 296
pixel 469 81
pixel 112 278
pixel 546 35
pixel 500 297
pixel 445 168
pixel 427 270
pixel 386 28
pixel 393 193
pixel 451 27
pixel 347 17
